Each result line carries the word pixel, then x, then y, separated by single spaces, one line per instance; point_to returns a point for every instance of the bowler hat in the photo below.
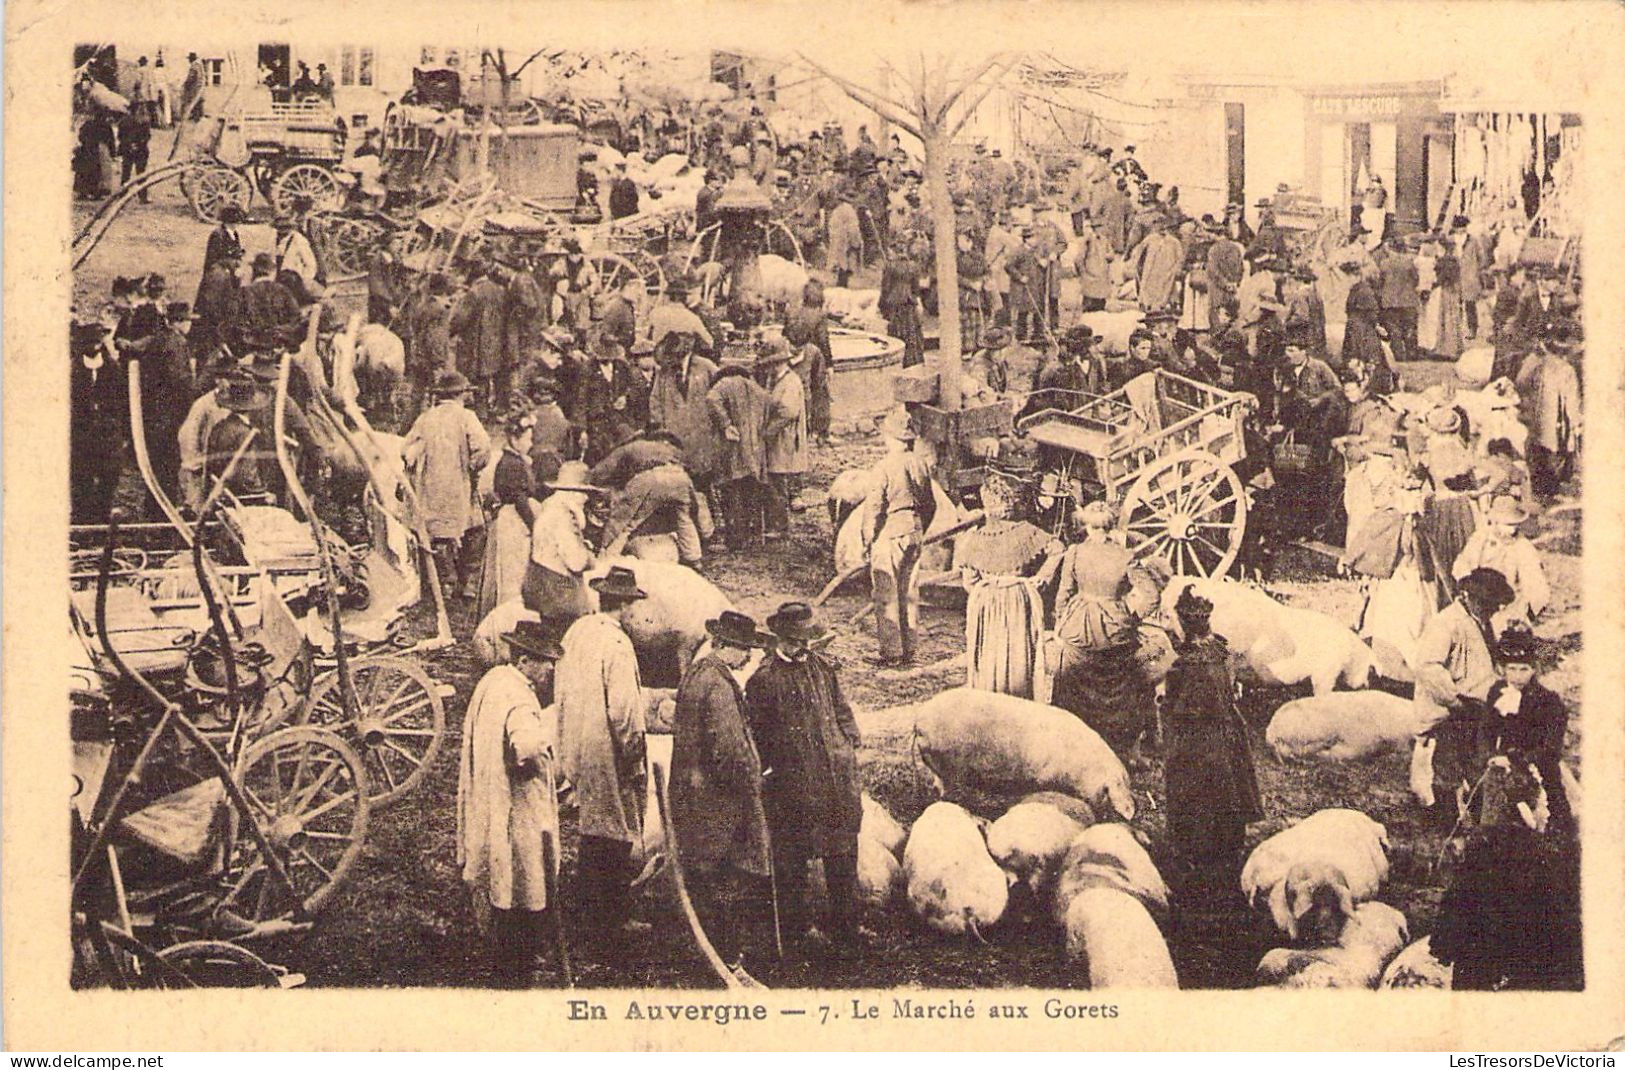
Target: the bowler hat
pixel 996 338
pixel 233 214
pixel 620 582
pixel 1079 337
pixel 534 637
pixel 736 629
pixel 155 285
pixel 794 620
pixel 450 383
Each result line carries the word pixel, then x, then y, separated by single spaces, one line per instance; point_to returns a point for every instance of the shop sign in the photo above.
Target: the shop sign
pixel 1373 107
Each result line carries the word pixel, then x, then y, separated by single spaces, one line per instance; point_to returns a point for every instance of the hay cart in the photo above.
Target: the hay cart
pixel 288 155
pixel 1162 452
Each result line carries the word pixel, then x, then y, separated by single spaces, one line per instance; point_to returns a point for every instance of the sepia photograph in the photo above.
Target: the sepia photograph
pixel 731 512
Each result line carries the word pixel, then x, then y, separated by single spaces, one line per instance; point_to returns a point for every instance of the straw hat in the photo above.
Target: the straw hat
pixel 1506 510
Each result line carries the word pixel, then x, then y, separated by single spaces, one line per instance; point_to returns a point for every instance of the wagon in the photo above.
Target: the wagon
pixel 286 155
pixel 1162 451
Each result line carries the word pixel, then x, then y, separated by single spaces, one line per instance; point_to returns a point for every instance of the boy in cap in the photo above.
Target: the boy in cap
pixel 808 739
pixel 507 801
pixel 719 825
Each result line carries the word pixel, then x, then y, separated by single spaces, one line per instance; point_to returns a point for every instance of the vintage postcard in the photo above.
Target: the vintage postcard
pixel 891 525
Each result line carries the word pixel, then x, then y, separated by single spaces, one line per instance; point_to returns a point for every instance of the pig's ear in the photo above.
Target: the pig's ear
pixel 1345 900
pixel 1279 912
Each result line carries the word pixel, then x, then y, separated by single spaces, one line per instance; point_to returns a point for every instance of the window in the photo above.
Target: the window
pixel 355 65
pixel 214 71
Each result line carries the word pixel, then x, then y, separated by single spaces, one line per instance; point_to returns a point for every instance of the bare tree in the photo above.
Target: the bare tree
pixel 937 109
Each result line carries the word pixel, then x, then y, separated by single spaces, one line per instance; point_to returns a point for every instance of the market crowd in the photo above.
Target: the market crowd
pixel 547 431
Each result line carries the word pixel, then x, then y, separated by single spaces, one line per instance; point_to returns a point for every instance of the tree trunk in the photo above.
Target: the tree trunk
pixel 947 250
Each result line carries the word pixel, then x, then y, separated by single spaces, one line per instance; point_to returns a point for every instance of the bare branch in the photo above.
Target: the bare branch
pixel 889 110
pixel 533 57
pixel 976 102
pixel 953 96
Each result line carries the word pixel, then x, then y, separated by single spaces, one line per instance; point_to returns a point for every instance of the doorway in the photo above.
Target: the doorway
pixel 274 64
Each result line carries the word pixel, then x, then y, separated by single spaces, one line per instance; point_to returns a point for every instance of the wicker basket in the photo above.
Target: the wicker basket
pixel 1293 457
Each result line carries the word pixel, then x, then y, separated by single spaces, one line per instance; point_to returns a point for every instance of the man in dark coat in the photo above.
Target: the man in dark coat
pixel 222 239
pixel 623 194
pixel 1362 332
pixel 268 308
pixel 900 303
pixel 428 317
pixel 166 397
pixel 219 305
pixel 1309 407
pixel 134 143
pixel 719 824
pixel 477 324
pixel 605 404
pixel 98 421
pixel 1398 298
pixel 1211 786
pixel 807 738
pixel 524 318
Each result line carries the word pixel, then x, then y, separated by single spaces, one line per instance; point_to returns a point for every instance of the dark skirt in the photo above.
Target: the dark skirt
pixel 1442 530
pixel 553 594
pixel 1211 789
pixel 1107 690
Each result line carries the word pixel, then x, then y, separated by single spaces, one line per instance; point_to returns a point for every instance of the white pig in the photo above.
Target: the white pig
pixel 880 826
pixel 1001 743
pixel 954 886
pixel 857 308
pixel 1112 328
pixel 1280 644
pixel 1328 862
pixel 1415 967
pixel 1107 856
pixel 1342 726
pixel 1370 938
pixel 1111 931
pixel 1029 840
pixel 880 878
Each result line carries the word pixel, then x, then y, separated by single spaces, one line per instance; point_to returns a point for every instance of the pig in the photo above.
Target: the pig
pixel 1029 840
pixel 1343 726
pixel 380 365
pixel 1278 644
pixel 1112 932
pixel 776 280
pixel 1070 805
pixel 1107 856
pixel 880 826
pixel 1415 967
pixel 1323 866
pixel 1370 938
pixel 669 625
pixel 489 645
pixel 1001 743
pixel 880 877
pixel 954 886
pixel 1112 329
pixel 855 308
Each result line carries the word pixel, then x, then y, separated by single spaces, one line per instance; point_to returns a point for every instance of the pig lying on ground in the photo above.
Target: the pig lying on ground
pixel 669 625
pixel 1325 865
pixel 880 878
pixel 1372 936
pixel 1415 967
pixel 1029 840
pixel 1000 743
pixel 954 886
pixel 1107 856
pixel 880 826
pixel 1279 644
pixel 1070 805
pixel 1112 932
pixel 1342 726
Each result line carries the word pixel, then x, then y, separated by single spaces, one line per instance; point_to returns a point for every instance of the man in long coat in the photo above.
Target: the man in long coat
pixel 98 424
pixel 719 824
pixel 445 451
pixel 808 326
pixel 218 307
pixel 808 739
pixel 1155 263
pixel 477 324
pixel 166 395
pixel 1225 268
pixel 600 700
pixel 1093 262
pixel 524 317
pixel 610 402
pixel 429 353
pixel 1397 294
pixel 784 435
pixel 1549 397
pixel 739 410
pixel 507 801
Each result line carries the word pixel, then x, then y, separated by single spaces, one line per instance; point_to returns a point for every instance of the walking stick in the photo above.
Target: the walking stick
pixel 555 907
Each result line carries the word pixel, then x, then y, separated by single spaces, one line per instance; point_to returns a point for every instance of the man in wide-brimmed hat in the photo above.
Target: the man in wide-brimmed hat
pixel 678 402
pixel 653 494
pixel 807 738
pixel 507 801
pixel 445 450
pixel 248 417
pixel 719 825
pixel 611 400
pixel 784 435
pixel 560 556
pixel 267 305
pixel 601 717
pixel 674 314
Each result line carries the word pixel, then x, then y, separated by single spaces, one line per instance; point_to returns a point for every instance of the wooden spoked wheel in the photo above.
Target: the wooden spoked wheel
pixel 648 266
pixel 397 726
pixel 608 272
pixel 216 964
pixel 781 241
pixel 209 188
pixel 348 244
pixel 306 790
pixel 307 180
pixel 1191 509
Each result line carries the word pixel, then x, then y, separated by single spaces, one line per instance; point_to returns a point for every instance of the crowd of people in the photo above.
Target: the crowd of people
pixel 623 424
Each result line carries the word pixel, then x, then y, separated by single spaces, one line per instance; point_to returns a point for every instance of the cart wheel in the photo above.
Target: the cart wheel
pixel 608 272
pixel 1189 508
pixel 307 180
pixel 209 188
pixel 704 249
pixel 348 244
pixel 307 790
pixel 400 726
pixel 781 241
pixel 217 964
pixel 648 266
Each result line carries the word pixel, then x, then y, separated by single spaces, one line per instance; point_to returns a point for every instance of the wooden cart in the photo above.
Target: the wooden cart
pixel 1162 452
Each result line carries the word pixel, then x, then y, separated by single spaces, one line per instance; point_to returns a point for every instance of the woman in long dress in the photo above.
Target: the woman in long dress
pixel 1443 314
pixel 510 494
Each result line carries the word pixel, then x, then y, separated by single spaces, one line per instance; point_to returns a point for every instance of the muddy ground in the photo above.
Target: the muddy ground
pixel 403 920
